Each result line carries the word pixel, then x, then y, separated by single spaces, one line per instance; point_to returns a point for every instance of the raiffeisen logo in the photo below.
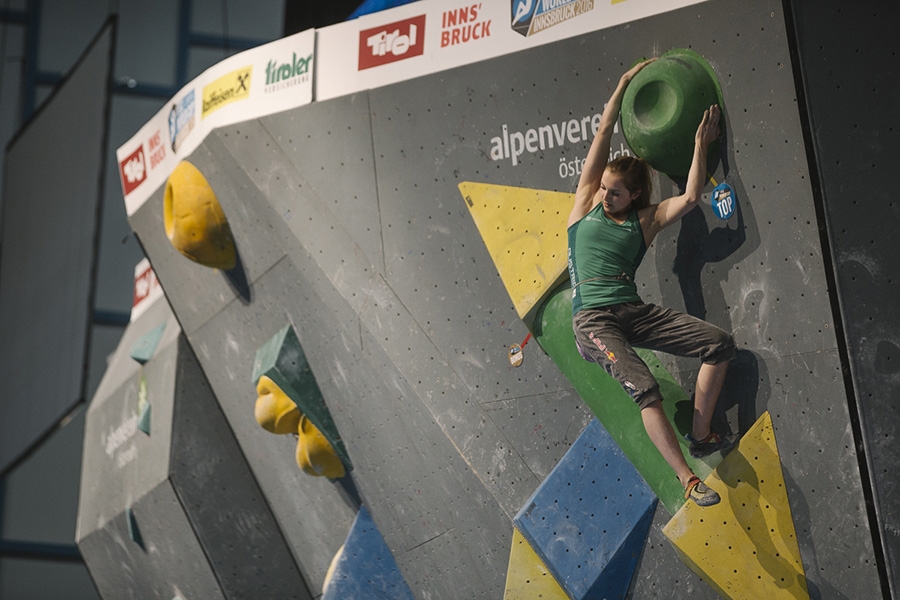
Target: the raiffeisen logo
pixel 280 76
pixel 392 42
pixel 533 16
pixel 226 89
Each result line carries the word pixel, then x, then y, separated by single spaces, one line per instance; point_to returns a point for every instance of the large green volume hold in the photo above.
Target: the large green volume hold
pixel 613 407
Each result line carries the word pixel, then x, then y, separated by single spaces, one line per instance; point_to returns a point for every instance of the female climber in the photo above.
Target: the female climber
pixel 609 230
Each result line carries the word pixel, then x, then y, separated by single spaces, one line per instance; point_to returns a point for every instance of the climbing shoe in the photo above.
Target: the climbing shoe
pixel 711 443
pixel 698 492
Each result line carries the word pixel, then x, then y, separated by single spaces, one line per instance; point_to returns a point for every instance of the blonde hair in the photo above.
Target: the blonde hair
pixel 635 174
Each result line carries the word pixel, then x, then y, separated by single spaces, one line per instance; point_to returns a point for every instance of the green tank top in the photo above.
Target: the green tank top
pixel 603 257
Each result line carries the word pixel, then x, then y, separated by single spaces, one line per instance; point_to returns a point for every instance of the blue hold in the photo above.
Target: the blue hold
pixel 589 519
pixel 372 6
pixel 366 568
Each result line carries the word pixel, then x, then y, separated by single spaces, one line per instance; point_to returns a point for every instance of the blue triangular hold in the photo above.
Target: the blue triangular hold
pixel 365 567
pixel 589 519
pixel 143 349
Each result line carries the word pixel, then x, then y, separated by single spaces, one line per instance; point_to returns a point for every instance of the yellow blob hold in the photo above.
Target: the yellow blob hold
pixel 275 411
pixel 315 455
pixel 194 221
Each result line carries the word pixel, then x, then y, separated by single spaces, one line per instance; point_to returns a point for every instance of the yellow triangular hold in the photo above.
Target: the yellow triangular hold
pixel 745 546
pixel 525 233
pixel 527 577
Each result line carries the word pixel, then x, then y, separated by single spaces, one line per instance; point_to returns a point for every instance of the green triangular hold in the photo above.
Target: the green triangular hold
pixel 143 349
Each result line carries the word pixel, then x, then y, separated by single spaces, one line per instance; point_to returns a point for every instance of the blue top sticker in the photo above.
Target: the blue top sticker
pixel 723 201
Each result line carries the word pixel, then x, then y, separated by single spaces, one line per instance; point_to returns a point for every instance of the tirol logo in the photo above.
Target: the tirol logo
pixel 144 284
pixel 226 89
pixel 391 42
pixel 533 16
pixel 280 76
pixel 181 120
pixel 133 170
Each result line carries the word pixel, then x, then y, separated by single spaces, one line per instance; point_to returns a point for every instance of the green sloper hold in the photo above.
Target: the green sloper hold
pixel 283 361
pixel 663 106
pixel 613 407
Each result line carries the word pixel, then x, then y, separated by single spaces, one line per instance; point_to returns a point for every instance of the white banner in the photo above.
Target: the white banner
pixel 261 81
pixel 146 289
pixel 372 51
pixel 434 35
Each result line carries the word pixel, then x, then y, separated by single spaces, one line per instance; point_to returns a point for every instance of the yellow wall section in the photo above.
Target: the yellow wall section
pixel 527 577
pixel 746 546
pixel 525 233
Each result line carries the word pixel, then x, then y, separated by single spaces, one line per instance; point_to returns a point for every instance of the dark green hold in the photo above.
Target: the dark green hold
pixel 282 360
pixel 662 107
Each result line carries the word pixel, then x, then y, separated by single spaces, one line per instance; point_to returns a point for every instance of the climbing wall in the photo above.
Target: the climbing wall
pixel 852 150
pixel 410 238
pixel 168 506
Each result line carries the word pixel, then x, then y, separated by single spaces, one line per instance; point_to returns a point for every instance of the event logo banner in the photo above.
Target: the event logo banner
pixel 229 88
pixel 392 42
pixel 533 16
pixel 181 120
pixel 133 170
pixel 283 75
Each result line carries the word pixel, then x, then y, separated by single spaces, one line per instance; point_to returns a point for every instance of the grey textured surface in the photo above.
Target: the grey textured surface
pixel 856 150
pixel 205 529
pixel 168 561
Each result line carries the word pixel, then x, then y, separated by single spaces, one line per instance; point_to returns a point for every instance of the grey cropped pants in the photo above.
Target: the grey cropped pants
pixel 608 336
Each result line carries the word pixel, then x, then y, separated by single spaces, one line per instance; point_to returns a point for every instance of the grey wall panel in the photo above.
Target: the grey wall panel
pixel 430 134
pixel 420 488
pixel 313 513
pixel 540 428
pixel 304 216
pixel 451 405
pixel 216 487
pixel 850 77
pixel 188 451
pixel 197 292
pixel 167 563
pixel 819 464
pixel 336 165
pixel 121 366
pixel 50 218
pixel 121 463
pixel 322 238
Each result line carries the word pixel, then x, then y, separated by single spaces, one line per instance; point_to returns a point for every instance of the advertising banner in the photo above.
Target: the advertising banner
pixel 260 81
pixel 434 35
